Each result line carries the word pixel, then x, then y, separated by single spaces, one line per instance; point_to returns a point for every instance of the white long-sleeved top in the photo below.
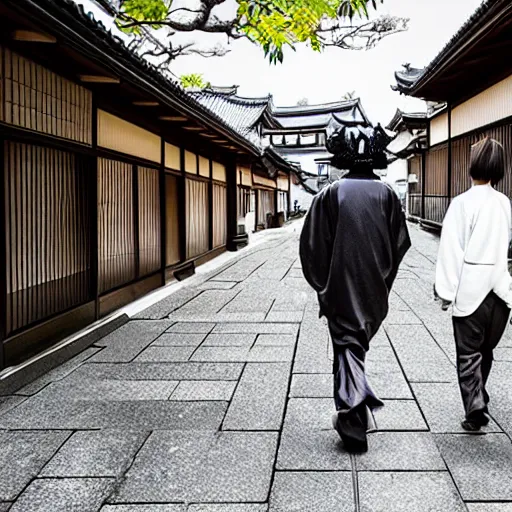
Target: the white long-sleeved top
pixel 473 253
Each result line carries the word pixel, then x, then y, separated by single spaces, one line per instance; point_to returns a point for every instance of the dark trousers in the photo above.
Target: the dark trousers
pixel 476 336
pixel 352 392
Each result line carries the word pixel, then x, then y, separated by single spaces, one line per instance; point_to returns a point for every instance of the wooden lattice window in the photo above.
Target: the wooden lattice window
pixel 37 99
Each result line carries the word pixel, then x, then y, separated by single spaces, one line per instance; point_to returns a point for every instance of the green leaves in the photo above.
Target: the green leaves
pixel 143 10
pixel 272 24
pixel 194 80
pixel 276 24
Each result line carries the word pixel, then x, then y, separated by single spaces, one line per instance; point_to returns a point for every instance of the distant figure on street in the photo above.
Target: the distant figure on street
pixel 472 276
pixel 351 246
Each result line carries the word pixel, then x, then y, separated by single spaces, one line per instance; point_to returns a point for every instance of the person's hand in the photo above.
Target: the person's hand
pixel 445 304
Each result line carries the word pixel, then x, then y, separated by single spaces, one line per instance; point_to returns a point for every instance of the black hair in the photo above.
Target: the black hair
pixel 487 161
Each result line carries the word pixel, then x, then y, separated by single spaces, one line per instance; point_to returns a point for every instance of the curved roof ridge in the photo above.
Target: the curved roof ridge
pixel 317 108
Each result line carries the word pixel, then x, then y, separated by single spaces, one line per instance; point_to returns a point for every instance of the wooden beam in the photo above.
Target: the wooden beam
pixel 30 36
pixel 208 135
pixel 98 79
pixel 146 103
pixel 194 128
pixel 173 118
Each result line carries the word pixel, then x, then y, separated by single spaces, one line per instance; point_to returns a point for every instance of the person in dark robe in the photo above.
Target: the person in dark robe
pixel 352 243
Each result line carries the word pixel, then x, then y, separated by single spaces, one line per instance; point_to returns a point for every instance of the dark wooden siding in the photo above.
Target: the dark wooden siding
pixel 116 230
pixel 47 233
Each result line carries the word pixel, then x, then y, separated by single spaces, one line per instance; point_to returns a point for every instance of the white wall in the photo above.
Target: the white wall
pixel 398 170
pixel 304 198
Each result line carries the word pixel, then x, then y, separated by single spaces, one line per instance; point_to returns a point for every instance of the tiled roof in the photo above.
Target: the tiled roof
pixel 241 114
pixel 309 116
pixel 91 37
pixel 408 79
pixel 416 120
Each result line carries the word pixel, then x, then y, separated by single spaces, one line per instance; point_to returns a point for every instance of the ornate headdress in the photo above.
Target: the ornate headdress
pixel 357 145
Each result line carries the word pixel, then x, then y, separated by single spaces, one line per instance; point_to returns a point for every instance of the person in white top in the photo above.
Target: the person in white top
pixel 472 275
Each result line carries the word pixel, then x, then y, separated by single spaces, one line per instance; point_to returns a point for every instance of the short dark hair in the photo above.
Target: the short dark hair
pixel 487 161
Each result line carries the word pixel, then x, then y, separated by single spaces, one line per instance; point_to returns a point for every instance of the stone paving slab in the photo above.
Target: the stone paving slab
pixel 480 465
pixel 287 317
pixel 407 492
pixel 102 453
pixel 401 451
pixel 416 342
pixel 243 354
pixel 191 328
pixel 275 340
pixel 442 406
pixel 161 371
pixel 260 398
pixel 58 373
pixel 22 456
pixel 165 307
pixel 314 491
pixel 228 507
pixel 218 285
pixel 201 467
pixel 165 354
pixel 490 507
pixel 172 339
pixel 318 385
pixel 257 328
pixel 129 340
pixel 400 415
pixel 206 390
pixel 144 508
pixel 35 414
pixel 308 441
pixel 109 390
pixel 10 402
pixel 64 495
pixel 230 340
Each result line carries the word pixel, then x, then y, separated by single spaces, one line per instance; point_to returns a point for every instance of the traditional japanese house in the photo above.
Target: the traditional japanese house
pixel 114 180
pixel 472 77
pixel 408 149
pixel 264 186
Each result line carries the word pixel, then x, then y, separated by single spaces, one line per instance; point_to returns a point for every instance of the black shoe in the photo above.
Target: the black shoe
pixel 350 443
pixel 475 422
pixel 470 426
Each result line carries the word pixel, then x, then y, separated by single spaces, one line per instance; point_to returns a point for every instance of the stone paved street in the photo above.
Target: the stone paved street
pixel 218 399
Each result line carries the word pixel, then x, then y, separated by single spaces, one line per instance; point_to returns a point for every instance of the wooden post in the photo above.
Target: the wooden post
pixel 163 213
pixel 276 207
pixel 423 182
pixel 3 257
pixel 93 191
pixel 256 208
pixel 449 152
pixel 136 219
pixel 232 224
pixel 182 208
pixel 210 207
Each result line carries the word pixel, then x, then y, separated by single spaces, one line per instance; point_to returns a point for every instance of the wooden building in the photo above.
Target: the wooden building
pixel 409 151
pixel 114 180
pixel 472 79
pixel 264 189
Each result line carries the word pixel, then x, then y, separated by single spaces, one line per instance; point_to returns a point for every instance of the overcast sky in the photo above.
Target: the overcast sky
pixel 324 77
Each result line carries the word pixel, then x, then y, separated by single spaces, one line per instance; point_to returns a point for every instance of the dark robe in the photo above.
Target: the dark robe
pixel 351 246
